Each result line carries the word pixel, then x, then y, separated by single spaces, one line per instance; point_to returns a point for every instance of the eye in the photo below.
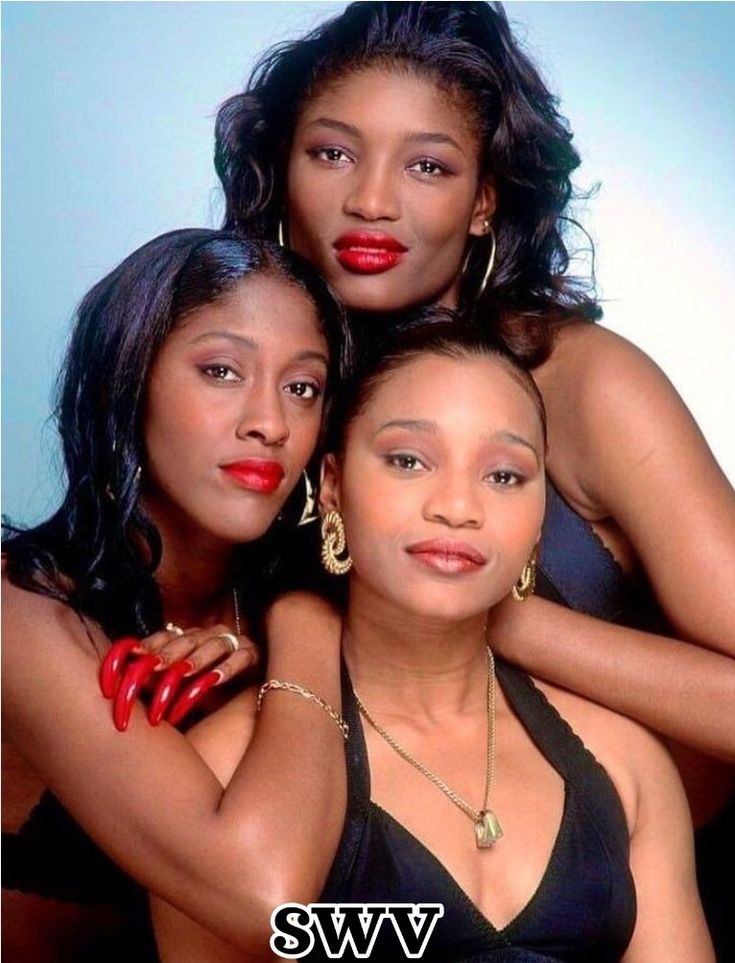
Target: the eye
pixel 304 390
pixel 405 462
pixel 221 372
pixel 429 167
pixel 504 478
pixel 332 155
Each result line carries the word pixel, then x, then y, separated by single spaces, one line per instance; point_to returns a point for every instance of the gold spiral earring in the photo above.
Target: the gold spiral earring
pixel 334 544
pixel 525 585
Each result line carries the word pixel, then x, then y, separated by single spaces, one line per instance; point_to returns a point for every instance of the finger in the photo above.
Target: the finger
pixel 135 675
pixel 176 648
pixel 193 694
pixel 219 642
pixel 157 641
pixel 113 663
pixel 238 662
pixel 166 690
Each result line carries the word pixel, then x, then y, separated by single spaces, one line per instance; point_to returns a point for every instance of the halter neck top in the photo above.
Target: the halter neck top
pixel 584 907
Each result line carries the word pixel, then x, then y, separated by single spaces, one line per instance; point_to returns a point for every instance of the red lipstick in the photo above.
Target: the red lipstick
pixel 368 252
pixel 255 474
pixel 447 556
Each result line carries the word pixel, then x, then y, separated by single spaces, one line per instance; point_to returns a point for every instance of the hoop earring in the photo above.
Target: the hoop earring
pixel 334 544
pixel 309 513
pixel 281 234
pixel 525 585
pixel 490 262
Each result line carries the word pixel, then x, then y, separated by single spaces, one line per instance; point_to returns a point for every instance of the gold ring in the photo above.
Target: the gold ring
pixel 232 641
pixel 172 627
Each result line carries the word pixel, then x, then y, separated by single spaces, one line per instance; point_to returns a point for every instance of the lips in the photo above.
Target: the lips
pixel 368 252
pixel 447 556
pixel 255 474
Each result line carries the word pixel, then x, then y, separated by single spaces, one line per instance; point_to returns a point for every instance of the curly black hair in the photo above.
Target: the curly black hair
pixel 526 146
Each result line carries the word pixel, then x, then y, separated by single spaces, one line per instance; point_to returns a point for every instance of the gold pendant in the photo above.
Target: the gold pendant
pixel 487 829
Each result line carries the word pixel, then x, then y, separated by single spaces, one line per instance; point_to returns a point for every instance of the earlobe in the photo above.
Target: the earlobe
pixel 329 484
pixel 485 204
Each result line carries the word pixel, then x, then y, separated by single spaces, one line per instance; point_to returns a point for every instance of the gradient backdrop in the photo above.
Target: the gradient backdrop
pixel 107 118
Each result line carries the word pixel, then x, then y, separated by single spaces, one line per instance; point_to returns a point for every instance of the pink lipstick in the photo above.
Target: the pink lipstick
pixel 255 474
pixel 447 556
pixel 368 252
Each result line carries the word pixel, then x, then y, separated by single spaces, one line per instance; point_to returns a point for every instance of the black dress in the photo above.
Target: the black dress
pixel 584 907
pixel 577 570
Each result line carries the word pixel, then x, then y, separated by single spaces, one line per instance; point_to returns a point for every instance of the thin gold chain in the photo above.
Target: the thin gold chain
pixel 474 814
pixel 236 607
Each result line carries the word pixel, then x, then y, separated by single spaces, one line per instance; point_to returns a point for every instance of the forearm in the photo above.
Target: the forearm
pixel 292 779
pixel 681 690
pixel 147 798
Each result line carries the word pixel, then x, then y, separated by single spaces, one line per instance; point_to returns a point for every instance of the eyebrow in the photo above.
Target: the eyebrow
pixel 422 137
pixel 514 439
pixel 408 424
pixel 252 345
pixel 430 427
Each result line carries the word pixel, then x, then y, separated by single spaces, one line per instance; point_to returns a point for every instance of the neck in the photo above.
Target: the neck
pixel 195 576
pixel 404 663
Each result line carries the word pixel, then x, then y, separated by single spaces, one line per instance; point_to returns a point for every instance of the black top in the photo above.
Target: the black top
pixel 584 907
pixel 577 570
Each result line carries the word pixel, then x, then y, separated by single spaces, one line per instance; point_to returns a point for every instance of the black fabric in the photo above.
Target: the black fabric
pixel 576 570
pixel 584 908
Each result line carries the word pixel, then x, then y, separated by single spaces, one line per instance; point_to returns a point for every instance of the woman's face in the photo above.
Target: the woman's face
pixel 441 487
pixel 383 189
pixel 233 411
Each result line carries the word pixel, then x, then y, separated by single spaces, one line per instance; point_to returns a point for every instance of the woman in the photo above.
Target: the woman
pixel 413 154
pixel 190 405
pixel 439 495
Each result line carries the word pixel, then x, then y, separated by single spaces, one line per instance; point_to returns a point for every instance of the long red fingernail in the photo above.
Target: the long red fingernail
pixel 166 690
pixel 111 668
pixel 134 677
pixel 192 694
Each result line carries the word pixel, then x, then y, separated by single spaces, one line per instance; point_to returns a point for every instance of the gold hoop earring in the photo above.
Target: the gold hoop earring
pixel 281 233
pixel 309 513
pixel 334 544
pixel 525 585
pixel 490 261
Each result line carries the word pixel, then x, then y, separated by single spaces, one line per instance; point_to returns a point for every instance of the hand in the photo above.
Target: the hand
pixel 175 655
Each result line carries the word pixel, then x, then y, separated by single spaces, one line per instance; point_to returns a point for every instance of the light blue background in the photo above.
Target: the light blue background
pixel 107 119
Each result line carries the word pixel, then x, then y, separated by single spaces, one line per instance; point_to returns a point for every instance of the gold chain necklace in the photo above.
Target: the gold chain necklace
pixel 236 608
pixel 487 826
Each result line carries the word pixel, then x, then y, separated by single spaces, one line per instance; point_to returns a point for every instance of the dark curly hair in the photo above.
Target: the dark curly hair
pixel 526 145
pixel 100 550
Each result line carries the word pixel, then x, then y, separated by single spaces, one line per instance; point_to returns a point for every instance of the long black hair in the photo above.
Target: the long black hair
pixel 526 146
pixel 99 551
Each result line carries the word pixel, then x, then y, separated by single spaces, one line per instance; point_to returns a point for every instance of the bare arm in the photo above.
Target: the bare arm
pixel 681 690
pixel 670 923
pixel 625 449
pixel 221 740
pixel 221 857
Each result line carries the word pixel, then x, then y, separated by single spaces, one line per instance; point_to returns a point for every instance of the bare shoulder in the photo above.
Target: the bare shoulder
pixel 33 622
pixel 223 737
pixel 610 408
pixel 633 756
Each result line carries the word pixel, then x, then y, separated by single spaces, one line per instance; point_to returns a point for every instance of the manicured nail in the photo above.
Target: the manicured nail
pixel 193 694
pixel 166 690
pixel 111 670
pixel 134 678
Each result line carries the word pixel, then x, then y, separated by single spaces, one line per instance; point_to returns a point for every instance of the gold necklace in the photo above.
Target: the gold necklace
pixel 236 609
pixel 487 826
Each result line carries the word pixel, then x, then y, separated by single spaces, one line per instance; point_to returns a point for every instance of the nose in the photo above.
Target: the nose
pixel 455 501
pixel 373 193
pixel 263 416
